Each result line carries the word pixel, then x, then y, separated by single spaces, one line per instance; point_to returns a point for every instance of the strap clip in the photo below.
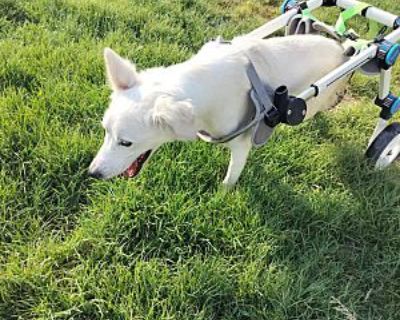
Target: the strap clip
pixel 272 117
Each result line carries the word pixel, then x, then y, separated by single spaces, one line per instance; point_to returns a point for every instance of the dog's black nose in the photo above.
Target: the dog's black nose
pixel 95 174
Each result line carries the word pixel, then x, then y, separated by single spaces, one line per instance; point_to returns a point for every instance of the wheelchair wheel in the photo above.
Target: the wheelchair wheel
pixel 386 147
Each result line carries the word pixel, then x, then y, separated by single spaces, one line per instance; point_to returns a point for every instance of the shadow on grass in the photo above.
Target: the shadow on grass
pixel 18 78
pixel 14 12
pixel 344 245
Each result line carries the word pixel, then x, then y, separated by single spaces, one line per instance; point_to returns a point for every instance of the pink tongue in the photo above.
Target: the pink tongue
pixel 132 170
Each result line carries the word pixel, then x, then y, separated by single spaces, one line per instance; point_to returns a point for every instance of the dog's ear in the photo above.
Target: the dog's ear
pixel 121 73
pixel 174 115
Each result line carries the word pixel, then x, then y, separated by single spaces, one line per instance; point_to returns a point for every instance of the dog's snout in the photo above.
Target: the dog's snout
pixel 96 174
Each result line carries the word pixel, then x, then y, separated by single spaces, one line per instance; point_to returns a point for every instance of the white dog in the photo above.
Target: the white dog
pixel 209 92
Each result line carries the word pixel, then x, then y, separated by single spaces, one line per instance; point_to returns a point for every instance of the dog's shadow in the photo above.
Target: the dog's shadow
pixel 348 226
pixel 351 181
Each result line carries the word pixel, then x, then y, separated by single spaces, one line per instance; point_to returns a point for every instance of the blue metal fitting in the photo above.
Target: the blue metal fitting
pixel 395 106
pixel 288 5
pixel 390 106
pixel 392 55
pixel 388 53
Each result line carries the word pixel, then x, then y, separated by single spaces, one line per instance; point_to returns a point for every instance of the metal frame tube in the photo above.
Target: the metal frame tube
pixel 394 36
pixel 314 4
pixel 281 21
pixel 384 91
pixel 347 68
pixel 385 81
pixel 354 63
pixel 339 73
pixel 373 13
pixel 350 66
pixel 273 25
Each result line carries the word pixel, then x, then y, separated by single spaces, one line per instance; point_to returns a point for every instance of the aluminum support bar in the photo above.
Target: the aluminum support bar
pixel 281 21
pixel 394 36
pixel 339 73
pixel 373 13
pixel 273 25
pixel 314 4
pixel 347 68
pixel 384 86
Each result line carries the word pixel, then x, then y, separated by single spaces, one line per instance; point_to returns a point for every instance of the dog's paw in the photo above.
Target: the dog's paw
pixel 227 186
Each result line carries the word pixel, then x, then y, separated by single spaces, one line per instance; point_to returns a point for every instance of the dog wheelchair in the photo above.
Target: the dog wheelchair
pixel 372 57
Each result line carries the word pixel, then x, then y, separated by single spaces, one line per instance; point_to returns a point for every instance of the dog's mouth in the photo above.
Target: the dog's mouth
pixel 137 165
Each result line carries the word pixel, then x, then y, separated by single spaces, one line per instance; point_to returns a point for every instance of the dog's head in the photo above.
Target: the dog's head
pixel 140 118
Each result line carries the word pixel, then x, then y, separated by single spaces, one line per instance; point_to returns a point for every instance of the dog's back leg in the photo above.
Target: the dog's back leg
pixel 240 148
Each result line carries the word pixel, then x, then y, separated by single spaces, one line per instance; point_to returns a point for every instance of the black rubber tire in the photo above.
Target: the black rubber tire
pixel 376 149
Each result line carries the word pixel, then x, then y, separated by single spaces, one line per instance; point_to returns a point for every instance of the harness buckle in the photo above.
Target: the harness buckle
pixel 272 117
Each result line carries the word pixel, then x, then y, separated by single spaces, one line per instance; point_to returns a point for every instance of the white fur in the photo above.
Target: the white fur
pixel 208 92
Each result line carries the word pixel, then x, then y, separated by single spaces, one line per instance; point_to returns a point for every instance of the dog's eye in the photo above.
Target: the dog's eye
pixel 125 143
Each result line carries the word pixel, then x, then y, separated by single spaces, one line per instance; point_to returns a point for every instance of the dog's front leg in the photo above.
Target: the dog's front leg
pixel 240 148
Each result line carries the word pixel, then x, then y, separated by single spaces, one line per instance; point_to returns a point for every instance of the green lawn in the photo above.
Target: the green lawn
pixel 310 232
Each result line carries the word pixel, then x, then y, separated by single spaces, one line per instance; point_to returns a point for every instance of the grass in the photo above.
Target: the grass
pixel 311 231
